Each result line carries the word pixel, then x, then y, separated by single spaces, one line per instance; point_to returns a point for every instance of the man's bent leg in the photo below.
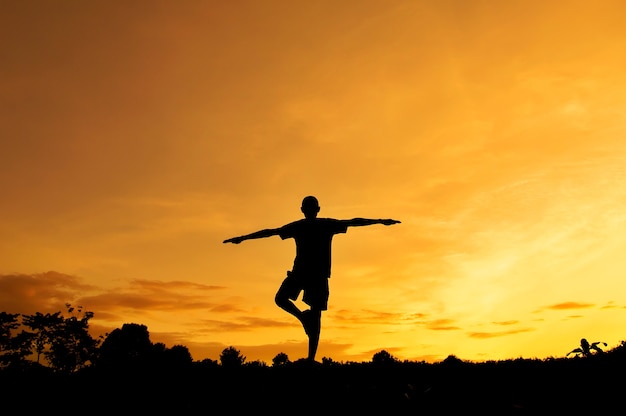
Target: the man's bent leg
pixel 285 295
pixel 287 304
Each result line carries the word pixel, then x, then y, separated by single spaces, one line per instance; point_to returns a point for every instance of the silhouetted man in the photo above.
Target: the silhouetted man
pixel 311 267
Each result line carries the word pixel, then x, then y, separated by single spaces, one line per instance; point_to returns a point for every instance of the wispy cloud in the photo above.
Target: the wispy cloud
pixel 495 334
pixel 49 292
pixel 41 292
pixel 155 295
pixel 505 323
pixel 570 305
pixel 443 325
pixel 612 305
pixel 242 324
pixel 375 317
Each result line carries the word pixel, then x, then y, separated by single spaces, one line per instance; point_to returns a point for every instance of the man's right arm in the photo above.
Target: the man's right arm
pixel 268 232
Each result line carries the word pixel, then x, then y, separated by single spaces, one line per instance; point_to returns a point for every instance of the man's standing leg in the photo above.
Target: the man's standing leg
pixel 315 295
pixel 313 327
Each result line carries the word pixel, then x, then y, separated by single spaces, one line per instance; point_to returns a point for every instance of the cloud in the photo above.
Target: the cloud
pixel 505 323
pixel 241 324
pixel 570 305
pixel 157 286
pixel 226 308
pixel 562 306
pixel 369 317
pixel 612 305
pixel 442 325
pixel 41 292
pixel 484 335
pixel 156 295
pixel 49 292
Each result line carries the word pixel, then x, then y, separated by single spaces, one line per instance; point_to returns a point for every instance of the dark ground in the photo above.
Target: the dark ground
pixel 591 385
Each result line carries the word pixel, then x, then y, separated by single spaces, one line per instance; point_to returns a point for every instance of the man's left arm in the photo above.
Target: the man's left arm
pixel 359 222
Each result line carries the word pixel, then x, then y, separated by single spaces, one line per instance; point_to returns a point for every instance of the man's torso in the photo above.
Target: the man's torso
pixel 313 239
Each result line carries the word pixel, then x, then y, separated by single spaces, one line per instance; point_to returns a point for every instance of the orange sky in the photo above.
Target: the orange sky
pixel 136 136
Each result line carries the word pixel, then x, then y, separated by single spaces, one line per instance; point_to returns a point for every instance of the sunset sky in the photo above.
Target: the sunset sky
pixel 135 136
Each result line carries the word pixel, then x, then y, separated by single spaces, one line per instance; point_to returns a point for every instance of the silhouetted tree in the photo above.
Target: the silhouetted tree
pixel 327 361
pixel 72 346
pixel 64 341
pixel 452 360
pixel 231 357
pixel 209 363
pixel 128 346
pixel 158 348
pixel 255 364
pixel 8 322
pixel 14 348
pixel 45 327
pixel 383 358
pixel 177 356
pixel 280 359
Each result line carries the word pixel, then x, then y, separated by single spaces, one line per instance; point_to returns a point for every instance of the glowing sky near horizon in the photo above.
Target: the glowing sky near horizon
pixel 135 136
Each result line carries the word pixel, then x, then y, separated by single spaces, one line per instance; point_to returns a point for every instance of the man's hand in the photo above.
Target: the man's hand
pixel 390 222
pixel 234 240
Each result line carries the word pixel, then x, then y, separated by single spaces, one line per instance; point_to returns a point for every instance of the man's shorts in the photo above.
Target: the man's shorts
pixel 315 288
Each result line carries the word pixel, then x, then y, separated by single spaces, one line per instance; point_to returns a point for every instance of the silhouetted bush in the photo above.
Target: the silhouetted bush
pixel 231 358
pixel 384 358
pixel 280 359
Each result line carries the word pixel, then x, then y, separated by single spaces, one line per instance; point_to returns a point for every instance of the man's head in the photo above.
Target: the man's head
pixel 310 207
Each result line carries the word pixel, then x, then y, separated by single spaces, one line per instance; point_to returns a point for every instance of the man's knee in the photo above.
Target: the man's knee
pixel 280 298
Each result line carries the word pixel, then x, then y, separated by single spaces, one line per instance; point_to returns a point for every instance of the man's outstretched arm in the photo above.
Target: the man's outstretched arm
pixel 359 222
pixel 258 234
